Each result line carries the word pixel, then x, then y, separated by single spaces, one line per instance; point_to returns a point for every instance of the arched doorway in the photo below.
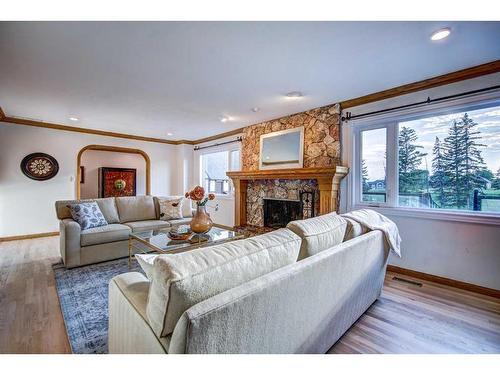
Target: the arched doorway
pixel 112 149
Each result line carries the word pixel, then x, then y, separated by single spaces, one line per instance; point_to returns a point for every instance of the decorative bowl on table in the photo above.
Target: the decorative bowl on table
pixel 180 233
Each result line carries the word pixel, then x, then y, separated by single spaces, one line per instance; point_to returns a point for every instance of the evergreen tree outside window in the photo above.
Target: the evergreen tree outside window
pixel 458 178
pixel 447 161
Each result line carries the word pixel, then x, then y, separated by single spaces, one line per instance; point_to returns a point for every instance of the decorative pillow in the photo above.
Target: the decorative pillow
pixel 146 262
pixel 170 209
pixel 87 214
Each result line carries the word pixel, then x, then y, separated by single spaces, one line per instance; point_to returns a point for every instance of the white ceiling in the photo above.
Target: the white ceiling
pixel 151 78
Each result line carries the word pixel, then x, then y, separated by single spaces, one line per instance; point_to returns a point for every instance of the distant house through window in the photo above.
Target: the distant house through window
pixel 213 168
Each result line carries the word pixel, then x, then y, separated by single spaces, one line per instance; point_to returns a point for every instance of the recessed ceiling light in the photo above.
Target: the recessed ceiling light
pixel 224 119
pixel 73 118
pixel 169 134
pixel 255 109
pixel 441 34
pixel 294 94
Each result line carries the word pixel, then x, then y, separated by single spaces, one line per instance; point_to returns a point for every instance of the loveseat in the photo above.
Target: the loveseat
pixel 123 215
pixel 294 290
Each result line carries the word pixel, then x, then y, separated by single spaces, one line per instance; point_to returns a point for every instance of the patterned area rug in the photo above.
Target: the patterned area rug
pixel 83 294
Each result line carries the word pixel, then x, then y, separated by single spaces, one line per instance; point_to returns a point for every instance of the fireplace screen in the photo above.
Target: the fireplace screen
pixel 279 212
pixel 307 200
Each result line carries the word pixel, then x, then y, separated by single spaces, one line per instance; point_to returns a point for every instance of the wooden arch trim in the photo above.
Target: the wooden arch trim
pixel 112 149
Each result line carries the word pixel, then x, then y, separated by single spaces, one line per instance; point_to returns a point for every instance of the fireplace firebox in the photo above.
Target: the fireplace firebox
pixel 279 212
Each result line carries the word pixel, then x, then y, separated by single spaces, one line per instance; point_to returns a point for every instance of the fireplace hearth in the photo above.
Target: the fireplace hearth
pixel 279 212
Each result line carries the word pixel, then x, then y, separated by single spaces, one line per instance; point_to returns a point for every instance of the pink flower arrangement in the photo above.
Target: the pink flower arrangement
pixel 198 195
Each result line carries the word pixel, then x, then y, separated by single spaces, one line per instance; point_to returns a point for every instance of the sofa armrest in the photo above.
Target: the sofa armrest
pixel 129 331
pixel 70 231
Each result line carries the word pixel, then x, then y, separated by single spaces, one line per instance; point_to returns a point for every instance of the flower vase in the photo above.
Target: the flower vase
pixel 201 222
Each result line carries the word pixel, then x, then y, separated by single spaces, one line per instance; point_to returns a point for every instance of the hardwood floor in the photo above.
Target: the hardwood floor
pixel 30 317
pixel 406 319
pixel 431 318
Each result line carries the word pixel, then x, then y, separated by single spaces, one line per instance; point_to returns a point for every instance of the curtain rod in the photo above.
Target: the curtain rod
pixel 348 115
pixel 238 139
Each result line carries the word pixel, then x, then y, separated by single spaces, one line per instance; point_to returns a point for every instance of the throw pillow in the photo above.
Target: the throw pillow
pixel 87 214
pixel 170 209
pixel 146 262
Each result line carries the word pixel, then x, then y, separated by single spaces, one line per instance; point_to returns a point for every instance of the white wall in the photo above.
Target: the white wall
pixel 225 212
pixel 92 160
pixel 27 206
pixel 457 250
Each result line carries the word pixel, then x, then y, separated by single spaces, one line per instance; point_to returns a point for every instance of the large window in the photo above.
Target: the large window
pixel 445 160
pixel 213 168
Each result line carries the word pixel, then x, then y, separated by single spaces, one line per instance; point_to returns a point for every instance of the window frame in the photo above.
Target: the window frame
pixel 390 121
pixel 228 149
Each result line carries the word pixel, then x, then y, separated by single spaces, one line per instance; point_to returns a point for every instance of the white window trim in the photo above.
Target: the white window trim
pixel 198 167
pixel 352 155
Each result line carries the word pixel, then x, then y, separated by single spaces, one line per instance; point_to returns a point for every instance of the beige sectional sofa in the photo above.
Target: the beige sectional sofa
pixel 123 214
pixel 295 290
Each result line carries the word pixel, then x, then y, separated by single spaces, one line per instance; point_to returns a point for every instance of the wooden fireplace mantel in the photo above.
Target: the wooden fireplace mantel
pixel 328 182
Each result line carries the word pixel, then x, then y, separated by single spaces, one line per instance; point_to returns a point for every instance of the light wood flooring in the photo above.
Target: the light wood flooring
pixel 406 319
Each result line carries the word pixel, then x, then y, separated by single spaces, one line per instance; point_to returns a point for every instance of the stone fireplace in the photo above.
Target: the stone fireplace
pixel 321 173
pixel 251 187
pixel 258 191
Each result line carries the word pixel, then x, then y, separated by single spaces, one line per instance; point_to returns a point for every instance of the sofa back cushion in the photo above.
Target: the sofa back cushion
pixel 182 280
pixel 319 233
pixel 137 208
pixel 107 206
pixel 186 209
pixel 354 229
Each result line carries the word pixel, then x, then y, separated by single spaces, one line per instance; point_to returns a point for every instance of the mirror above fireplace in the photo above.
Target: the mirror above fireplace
pixel 282 149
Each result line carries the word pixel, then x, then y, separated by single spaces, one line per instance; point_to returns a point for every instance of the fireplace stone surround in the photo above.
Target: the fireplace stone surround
pixel 251 187
pixel 260 190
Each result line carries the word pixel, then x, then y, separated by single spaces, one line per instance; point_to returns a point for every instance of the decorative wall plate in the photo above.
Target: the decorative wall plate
pixel 39 166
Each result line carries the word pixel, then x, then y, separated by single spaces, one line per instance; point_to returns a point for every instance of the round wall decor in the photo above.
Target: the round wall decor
pixel 39 166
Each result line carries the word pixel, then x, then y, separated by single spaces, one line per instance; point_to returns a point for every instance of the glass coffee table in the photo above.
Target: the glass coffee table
pixel 158 241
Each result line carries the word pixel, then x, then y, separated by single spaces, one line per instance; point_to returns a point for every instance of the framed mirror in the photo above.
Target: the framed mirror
pixel 282 149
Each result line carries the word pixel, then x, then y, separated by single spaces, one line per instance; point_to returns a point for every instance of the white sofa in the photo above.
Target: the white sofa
pixel 123 214
pixel 252 295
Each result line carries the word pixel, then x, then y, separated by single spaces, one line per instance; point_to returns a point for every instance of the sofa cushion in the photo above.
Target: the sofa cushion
pixel 144 225
pixel 319 233
pixel 107 206
pixel 182 280
pixel 104 234
pixel 137 208
pixel 187 211
pixel 354 229
pixel 87 215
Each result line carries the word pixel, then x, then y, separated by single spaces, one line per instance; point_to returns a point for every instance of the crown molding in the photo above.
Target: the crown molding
pixel 50 125
pixel 54 126
pixel 445 79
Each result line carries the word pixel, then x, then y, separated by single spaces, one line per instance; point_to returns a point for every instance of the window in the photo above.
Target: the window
pixel 373 165
pixel 213 168
pixel 445 159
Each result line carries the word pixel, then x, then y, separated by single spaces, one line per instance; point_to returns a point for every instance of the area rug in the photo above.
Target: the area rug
pixel 83 295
